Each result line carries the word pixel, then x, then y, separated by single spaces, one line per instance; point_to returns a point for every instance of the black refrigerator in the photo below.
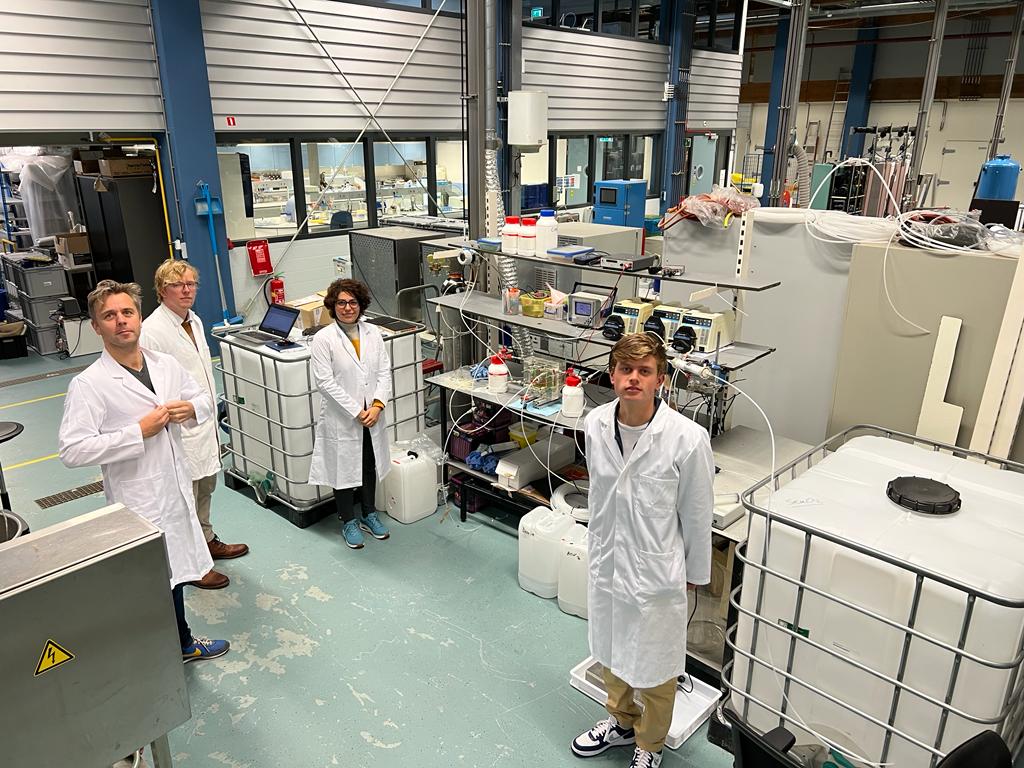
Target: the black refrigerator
pixel 127 230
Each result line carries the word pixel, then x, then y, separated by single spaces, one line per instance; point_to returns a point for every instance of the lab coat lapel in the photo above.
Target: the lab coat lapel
pixel 608 432
pixel 646 442
pixel 346 344
pixel 129 382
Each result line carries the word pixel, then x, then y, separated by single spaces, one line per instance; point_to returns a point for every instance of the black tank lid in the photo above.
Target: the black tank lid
pixel 922 494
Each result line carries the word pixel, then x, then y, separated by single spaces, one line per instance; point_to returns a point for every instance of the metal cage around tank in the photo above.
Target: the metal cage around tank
pixel 745 657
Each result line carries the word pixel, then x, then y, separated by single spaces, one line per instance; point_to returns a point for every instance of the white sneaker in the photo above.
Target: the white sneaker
pixel 604 735
pixel 644 759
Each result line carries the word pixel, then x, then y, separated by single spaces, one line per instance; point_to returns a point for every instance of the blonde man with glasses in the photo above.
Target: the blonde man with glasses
pixel 174 329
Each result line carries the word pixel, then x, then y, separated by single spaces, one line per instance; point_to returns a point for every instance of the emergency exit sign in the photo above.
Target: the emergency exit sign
pixel 536 13
pixel 605 139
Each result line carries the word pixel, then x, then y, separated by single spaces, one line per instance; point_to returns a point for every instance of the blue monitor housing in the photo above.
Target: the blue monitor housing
pixel 620 202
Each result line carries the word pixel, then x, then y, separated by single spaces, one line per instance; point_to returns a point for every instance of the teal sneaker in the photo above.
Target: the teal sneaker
pixel 203 648
pixel 373 526
pixel 353 536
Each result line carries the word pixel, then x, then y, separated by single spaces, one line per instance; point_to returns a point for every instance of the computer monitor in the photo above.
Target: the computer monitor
pixel 997 211
pixel 607 196
pixel 279 320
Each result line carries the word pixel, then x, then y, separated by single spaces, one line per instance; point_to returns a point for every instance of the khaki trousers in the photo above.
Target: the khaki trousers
pixel 652 720
pixel 202 490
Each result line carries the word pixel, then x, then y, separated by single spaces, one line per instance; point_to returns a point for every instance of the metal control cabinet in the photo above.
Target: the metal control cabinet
pixel 91 667
pixel 387 259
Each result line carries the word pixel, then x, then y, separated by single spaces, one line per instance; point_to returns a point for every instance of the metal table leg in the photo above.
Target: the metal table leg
pixel 161 753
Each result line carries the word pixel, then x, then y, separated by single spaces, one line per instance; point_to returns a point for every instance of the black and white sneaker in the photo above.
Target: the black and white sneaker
pixel 644 759
pixel 604 735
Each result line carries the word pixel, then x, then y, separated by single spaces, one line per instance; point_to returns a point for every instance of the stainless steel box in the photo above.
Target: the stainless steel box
pixel 94 589
pixel 387 259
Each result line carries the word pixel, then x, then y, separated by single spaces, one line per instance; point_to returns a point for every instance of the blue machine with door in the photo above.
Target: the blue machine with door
pixel 620 203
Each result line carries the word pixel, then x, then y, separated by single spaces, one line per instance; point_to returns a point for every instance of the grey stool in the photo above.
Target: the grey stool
pixel 8 431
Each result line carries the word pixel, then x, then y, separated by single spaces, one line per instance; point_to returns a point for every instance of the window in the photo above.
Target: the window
pixel 538 11
pixel 650 23
pixel 401 188
pixel 451 178
pixel 335 186
pixel 617 17
pixel 644 161
pixel 534 179
pixel 572 171
pixel 611 161
pixel 577 14
pixel 263 206
pixel 717 26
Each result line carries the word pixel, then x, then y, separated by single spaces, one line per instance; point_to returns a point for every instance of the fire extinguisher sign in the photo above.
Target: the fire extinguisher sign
pixel 259 257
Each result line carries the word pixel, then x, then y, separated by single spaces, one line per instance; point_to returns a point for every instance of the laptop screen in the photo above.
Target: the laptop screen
pixel 279 320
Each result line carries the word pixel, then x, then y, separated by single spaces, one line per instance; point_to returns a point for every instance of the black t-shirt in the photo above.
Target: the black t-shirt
pixel 143 375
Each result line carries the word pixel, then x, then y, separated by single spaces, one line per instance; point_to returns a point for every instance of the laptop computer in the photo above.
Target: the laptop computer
pixel 277 324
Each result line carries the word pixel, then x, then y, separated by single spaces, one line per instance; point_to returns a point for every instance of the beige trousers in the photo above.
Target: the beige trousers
pixel 650 721
pixel 202 490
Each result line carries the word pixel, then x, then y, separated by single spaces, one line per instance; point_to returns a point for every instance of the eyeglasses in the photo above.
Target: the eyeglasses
pixel 178 286
pixel 341 303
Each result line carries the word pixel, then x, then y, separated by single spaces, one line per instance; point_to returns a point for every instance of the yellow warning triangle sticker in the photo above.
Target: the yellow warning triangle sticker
pixel 53 656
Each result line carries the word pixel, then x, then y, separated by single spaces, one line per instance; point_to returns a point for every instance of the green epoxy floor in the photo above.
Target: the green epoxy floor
pixel 418 651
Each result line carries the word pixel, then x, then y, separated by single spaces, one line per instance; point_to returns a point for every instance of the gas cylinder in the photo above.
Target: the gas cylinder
pixel 998 179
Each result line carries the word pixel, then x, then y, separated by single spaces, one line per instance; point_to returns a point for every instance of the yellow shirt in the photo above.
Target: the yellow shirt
pixel 355 345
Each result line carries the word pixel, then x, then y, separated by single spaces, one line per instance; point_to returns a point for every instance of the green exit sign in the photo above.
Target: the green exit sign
pixel 605 139
pixel 536 13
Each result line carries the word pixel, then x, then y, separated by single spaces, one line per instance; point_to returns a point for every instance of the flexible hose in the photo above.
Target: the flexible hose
pixel 803 177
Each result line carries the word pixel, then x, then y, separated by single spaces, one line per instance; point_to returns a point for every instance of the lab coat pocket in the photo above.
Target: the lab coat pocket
pixel 661 576
pixel 139 496
pixel 656 497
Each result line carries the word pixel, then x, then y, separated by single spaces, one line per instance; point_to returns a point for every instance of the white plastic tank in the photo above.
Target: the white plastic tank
pixel 410 488
pixel 978 547
pixel 540 548
pixel 573 572
pixel 527 120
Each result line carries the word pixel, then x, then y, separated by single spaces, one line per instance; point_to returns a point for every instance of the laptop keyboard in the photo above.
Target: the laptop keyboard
pixel 257 336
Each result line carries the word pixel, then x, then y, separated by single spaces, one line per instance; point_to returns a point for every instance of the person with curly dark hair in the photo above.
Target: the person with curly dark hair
pixel 352 370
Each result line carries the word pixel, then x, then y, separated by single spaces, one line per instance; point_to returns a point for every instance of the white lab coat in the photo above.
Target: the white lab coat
pixel 162 332
pixel 150 477
pixel 348 383
pixel 649 534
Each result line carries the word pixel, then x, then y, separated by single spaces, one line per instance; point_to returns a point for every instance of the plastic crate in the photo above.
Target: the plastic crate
pixel 42 340
pixel 38 282
pixel 37 311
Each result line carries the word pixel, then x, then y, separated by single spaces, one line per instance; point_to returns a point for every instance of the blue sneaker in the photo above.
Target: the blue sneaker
pixel 204 648
pixel 373 526
pixel 353 536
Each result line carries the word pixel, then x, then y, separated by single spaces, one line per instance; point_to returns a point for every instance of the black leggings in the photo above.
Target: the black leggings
pixel 344 498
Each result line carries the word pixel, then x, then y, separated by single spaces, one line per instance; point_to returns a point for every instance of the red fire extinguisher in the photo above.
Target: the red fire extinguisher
pixel 277 290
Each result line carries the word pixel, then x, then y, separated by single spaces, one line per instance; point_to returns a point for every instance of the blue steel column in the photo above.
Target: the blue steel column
pixel 858 103
pixel 774 100
pixel 191 148
pixel 681 39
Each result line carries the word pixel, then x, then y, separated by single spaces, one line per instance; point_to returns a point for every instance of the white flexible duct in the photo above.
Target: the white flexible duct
pixel 803 176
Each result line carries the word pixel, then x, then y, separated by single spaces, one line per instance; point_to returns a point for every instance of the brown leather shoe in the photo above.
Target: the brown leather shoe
pixel 221 551
pixel 212 580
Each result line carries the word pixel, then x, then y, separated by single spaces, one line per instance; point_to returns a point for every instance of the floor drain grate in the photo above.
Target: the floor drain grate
pixel 75 493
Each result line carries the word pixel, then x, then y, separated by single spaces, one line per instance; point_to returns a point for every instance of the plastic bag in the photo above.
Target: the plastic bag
pixel 48 189
pixel 715 209
pixel 422 445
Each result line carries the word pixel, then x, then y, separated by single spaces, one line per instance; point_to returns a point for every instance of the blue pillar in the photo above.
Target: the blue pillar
pixel 774 99
pixel 858 103
pixel 189 150
pixel 680 35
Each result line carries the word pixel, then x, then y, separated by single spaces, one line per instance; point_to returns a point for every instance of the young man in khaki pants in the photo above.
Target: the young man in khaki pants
pixel 173 328
pixel 651 495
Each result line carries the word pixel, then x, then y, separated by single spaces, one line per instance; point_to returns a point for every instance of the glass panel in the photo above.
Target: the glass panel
pixel 538 11
pixel 572 160
pixel 450 6
pixel 412 3
pixel 534 179
pixel 401 191
pixel 451 178
pixel 642 159
pixel 651 25
pixel 611 161
pixel 576 14
pixel 726 38
pixel 335 186
pixel 617 17
pixel 273 197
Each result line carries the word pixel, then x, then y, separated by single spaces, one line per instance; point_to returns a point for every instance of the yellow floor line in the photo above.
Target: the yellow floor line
pixel 31 461
pixel 34 400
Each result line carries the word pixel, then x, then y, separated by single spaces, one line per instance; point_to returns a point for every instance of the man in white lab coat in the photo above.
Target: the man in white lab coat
pixel 176 330
pixel 125 413
pixel 651 499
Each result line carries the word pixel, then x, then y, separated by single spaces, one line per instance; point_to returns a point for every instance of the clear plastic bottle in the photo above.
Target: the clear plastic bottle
pixel 497 376
pixel 547 232
pixel 527 237
pixel 510 235
pixel 573 398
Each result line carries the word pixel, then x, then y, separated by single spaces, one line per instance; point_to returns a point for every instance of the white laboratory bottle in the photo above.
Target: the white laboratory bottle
pixel 573 398
pixel 528 237
pixel 497 376
pixel 547 232
pixel 510 235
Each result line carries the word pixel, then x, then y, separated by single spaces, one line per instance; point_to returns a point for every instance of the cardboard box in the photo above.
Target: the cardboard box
pixel 87 160
pixel 72 242
pixel 312 313
pixel 125 166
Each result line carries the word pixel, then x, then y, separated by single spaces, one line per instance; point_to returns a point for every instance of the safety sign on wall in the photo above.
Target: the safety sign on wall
pixel 52 656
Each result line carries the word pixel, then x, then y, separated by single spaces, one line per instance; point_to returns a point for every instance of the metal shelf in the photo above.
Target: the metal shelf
pixel 689 278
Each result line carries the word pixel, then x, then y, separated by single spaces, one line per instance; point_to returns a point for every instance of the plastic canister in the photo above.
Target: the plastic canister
pixel 547 232
pixel 497 376
pixel 527 237
pixel 573 399
pixel 998 179
pixel 510 235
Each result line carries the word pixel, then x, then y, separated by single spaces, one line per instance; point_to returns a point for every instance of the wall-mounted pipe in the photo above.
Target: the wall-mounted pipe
pixel 1008 74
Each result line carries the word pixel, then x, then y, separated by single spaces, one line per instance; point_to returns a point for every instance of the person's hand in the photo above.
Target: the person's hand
pixel 370 416
pixel 180 410
pixel 154 421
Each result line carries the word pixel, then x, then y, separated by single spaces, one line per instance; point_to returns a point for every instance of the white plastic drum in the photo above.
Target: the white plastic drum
pixel 540 548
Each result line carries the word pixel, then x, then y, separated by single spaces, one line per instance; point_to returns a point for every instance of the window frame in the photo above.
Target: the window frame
pixel 556 14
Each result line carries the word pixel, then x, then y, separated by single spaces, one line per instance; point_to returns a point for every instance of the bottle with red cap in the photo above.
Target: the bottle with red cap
pixel 497 376
pixel 527 237
pixel 573 398
pixel 510 235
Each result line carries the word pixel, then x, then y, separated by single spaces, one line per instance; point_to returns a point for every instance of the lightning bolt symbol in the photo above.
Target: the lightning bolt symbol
pixel 50 654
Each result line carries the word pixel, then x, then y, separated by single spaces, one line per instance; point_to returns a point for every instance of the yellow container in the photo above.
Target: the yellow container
pixel 523 436
pixel 533 303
